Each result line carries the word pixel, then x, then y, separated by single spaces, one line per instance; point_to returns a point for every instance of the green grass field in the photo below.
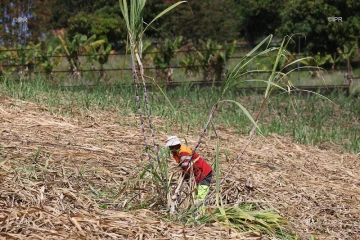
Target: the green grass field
pixel 308 119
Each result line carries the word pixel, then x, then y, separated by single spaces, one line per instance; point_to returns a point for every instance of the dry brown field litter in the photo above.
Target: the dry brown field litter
pixel 57 174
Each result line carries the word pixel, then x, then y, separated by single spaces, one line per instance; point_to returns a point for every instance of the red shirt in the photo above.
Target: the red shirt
pixel 201 169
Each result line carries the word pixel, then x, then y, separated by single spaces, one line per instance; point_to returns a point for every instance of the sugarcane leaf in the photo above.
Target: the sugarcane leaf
pixel 163 13
pixel 245 111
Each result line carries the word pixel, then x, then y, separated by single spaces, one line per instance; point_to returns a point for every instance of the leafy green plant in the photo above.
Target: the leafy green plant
pixel 165 52
pixel 102 57
pixel 79 44
pixel 18 55
pixel 320 60
pixel 4 54
pixel 346 55
pixel 45 57
pixel 189 62
pixel 212 59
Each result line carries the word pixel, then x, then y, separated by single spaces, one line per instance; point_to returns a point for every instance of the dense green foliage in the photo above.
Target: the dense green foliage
pixel 222 21
pixel 257 18
pixel 311 18
pixel 196 20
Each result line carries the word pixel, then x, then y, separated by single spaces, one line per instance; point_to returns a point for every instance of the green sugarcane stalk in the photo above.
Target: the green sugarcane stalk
pixel 149 117
pixel 135 79
pixel 132 12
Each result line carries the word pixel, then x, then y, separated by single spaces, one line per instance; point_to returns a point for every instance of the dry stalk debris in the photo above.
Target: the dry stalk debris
pixel 71 178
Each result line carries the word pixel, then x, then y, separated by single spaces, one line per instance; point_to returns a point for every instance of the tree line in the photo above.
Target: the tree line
pixel 222 21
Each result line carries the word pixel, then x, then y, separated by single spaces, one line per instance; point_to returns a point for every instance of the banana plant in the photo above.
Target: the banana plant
pixel 322 60
pixel 319 60
pixel 46 59
pixel 213 59
pixel 191 65
pixel 77 46
pixel 346 55
pixel 22 57
pixel 165 52
pixel 102 57
pixel 189 61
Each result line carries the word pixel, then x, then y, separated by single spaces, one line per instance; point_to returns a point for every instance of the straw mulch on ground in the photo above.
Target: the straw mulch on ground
pixel 57 175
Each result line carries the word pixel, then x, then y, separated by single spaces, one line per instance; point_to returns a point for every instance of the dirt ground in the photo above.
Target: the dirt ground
pixel 50 165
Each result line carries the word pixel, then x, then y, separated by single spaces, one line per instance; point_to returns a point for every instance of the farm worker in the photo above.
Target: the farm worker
pixel 188 161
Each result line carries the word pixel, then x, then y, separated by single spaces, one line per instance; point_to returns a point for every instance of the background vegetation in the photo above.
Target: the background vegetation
pixel 222 21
